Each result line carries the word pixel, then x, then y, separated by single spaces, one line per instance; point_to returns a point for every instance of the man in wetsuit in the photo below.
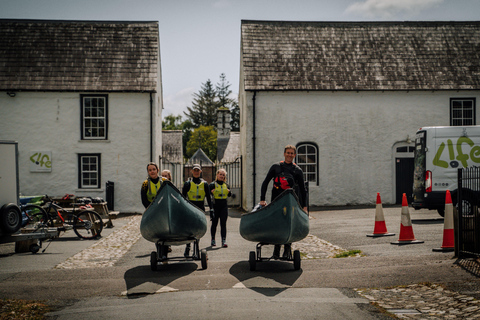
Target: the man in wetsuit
pixel 196 191
pixel 285 174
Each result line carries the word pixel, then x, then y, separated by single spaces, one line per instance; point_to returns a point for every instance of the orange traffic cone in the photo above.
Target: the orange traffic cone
pixel 380 229
pixel 406 230
pixel 448 231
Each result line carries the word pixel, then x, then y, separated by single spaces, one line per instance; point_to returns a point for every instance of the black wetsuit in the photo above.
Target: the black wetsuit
pixel 220 208
pixel 295 177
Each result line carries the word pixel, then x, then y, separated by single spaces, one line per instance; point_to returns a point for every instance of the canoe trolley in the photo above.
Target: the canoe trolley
pixel 161 255
pixel 256 256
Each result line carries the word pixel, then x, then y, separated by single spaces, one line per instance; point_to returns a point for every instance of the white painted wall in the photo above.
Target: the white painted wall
pixel 42 121
pixel 355 133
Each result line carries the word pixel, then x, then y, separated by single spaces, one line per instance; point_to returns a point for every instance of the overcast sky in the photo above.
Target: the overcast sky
pixel 200 39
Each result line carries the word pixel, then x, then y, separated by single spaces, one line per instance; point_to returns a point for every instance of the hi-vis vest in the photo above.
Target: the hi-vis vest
pixel 219 193
pixel 196 193
pixel 152 189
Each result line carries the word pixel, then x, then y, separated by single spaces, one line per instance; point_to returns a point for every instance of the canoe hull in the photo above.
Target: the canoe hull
pixel 282 221
pixel 172 219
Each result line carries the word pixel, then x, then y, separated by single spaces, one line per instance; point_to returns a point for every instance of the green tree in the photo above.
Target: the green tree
pixel 172 122
pixel 235 117
pixel 203 111
pixel 204 137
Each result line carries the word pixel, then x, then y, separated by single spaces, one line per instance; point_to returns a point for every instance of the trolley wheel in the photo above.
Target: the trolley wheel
pixel 153 261
pixel 296 260
pixel 34 248
pixel 204 258
pixel 252 261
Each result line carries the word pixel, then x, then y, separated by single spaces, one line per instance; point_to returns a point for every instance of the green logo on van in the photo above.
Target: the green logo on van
pixel 474 154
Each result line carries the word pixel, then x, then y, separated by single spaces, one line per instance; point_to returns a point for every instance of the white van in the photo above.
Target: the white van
pixel 439 153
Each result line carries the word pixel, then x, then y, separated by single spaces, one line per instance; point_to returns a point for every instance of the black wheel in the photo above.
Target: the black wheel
pixel 296 260
pixel 204 258
pixel 37 217
pixel 252 261
pixel 88 224
pixel 153 261
pixel 10 218
pixel 34 247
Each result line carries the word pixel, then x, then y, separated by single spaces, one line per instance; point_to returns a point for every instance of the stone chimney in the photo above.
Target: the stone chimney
pixel 223 131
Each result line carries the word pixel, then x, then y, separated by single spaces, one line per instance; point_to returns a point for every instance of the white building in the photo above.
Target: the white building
pixel 351 96
pixel 83 99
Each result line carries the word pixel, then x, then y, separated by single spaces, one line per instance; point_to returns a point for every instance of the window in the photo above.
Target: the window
pixel 307 160
pixel 94 117
pixel 462 112
pixel 89 171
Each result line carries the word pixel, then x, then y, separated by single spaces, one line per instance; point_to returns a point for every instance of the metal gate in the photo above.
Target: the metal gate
pixel 468 236
pixel 181 172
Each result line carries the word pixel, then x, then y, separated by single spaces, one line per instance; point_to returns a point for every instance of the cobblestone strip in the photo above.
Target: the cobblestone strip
pixel 430 300
pixel 108 250
pixel 313 247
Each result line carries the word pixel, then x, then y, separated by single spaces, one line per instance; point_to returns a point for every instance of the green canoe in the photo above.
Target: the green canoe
pixel 172 219
pixel 282 221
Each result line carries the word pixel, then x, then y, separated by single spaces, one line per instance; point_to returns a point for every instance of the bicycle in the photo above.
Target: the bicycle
pixel 87 224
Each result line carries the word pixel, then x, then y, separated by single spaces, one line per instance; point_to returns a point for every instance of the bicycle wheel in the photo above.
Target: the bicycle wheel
pixel 37 217
pixel 87 224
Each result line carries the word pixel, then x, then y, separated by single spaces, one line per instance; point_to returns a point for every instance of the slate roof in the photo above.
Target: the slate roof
pixel 201 158
pixel 232 151
pixel 282 55
pixel 45 55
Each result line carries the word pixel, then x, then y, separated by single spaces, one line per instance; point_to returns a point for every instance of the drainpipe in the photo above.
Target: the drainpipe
pixel 253 143
pixel 151 127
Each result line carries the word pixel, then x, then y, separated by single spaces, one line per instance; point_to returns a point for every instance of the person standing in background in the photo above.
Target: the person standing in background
pixel 220 191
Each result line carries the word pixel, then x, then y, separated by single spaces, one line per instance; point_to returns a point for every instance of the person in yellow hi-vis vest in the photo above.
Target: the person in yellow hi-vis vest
pixel 151 185
pixel 196 191
pixel 220 191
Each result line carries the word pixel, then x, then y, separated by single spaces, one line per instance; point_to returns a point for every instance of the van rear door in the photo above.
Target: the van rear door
pixel 419 170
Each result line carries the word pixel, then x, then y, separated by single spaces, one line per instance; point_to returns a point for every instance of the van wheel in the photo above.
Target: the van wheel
pixel 441 212
pixel 10 218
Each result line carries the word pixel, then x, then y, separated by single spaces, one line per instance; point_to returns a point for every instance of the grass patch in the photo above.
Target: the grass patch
pixel 13 309
pixel 347 254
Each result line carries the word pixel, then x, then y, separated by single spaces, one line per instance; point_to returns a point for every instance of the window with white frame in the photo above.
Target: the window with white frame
pixel 89 171
pixel 94 117
pixel 307 160
pixel 462 111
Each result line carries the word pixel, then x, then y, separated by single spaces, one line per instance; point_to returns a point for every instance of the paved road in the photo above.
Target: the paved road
pixel 323 288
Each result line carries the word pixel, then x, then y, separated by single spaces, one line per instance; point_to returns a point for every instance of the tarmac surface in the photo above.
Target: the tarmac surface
pixel 111 277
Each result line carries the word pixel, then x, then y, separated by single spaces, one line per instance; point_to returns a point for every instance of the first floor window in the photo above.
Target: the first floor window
pixel 89 171
pixel 462 112
pixel 94 117
pixel 307 160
